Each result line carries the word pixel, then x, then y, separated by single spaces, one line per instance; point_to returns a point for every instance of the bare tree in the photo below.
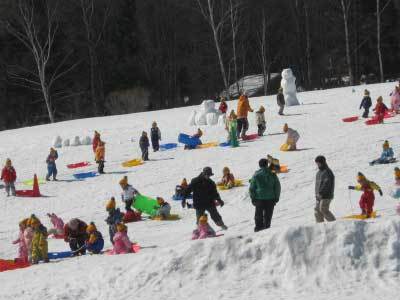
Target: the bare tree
pixel 234 18
pixel 379 12
pixel 345 5
pixel 39 41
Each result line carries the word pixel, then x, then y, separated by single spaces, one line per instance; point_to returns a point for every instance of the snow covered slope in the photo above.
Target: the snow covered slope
pixel 296 259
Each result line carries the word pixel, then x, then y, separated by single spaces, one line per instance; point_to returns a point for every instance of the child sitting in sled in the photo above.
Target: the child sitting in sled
pixel 292 138
pixel 122 244
pixel 197 135
pixel 204 230
pixel 164 210
pixel 387 155
pixel 114 217
pixel 228 180
pixel 368 197
pixel 95 242
pixel 24 242
pixel 58 226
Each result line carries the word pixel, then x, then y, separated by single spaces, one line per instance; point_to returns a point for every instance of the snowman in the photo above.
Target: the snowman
pixel 207 115
pixel 288 83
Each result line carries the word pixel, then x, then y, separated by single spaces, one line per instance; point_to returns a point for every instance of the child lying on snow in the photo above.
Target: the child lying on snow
pixel 24 241
pixel 368 197
pixel 122 244
pixel 387 155
pixel 228 180
pixel 95 242
pixel 204 230
pixel 198 135
pixel 58 225
pixel 165 209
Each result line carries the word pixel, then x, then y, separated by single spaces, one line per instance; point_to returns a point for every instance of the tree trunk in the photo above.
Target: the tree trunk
pixel 234 30
pixel 378 39
pixel 347 37
pixel 308 45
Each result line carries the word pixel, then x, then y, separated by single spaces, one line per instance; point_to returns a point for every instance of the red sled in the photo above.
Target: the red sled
pixel 35 192
pixel 350 119
pixel 251 137
pixel 132 216
pixel 389 114
pixel 78 165
pixel 8 265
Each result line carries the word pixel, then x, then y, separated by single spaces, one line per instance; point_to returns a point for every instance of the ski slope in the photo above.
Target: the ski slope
pixel 295 259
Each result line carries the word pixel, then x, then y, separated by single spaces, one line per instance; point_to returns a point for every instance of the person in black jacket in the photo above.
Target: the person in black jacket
pixel 204 196
pixel 155 135
pixel 144 146
pixel 324 191
pixel 366 103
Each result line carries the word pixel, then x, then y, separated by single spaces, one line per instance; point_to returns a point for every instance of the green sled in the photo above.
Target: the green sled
pixel 233 134
pixel 146 204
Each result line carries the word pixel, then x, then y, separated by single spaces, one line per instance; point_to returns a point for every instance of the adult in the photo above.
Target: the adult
pixel 324 191
pixel 280 99
pixel 75 234
pixel 205 195
pixel 243 109
pixel 265 191
pixel 128 193
pixel 96 141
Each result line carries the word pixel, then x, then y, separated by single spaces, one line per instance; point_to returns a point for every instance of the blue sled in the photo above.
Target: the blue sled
pixel 169 146
pixel 188 140
pixel 59 255
pixel 81 176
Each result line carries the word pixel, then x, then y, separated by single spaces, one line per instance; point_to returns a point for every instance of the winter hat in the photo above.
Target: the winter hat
pixel 361 177
pixel 366 92
pixel 386 145
pixel 73 224
pixel 203 220
pixel 8 162
pixel 380 99
pixel 124 181
pixel 263 163
pixel 261 109
pixel 91 228
pixel 207 171
pixel 34 221
pixel 110 204
pixel 226 170
pixel 285 127
pixel 160 200
pixel 121 227
pixel 397 173
pixel 320 159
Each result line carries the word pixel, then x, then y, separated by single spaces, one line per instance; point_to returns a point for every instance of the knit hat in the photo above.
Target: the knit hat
pixel 380 99
pixel 361 177
pixel 160 200
pixel 110 204
pixel 121 227
pixel 397 173
pixel 124 181
pixel 154 124
pixel 34 221
pixel 203 220
pixel 366 92
pixel 73 224
pixel 386 145
pixel 285 127
pixel 91 228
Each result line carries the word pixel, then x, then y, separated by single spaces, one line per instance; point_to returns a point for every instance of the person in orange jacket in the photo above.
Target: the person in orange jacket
pixel 100 156
pixel 243 110
pixel 380 109
pixel 96 141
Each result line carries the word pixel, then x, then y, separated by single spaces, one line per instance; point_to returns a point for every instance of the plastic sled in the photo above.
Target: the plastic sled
pixel 132 163
pixel 171 217
pixel 389 114
pixel 238 183
pixel 8 265
pixel 372 121
pixel 225 144
pixel 78 165
pixel 180 198
pixel 251 137
pixel 81 176
pixel 285 147
pixel 132 216
pixel 135 249
pixel 169 146
pixel 31 181
pixel 207 145
pixel 59 255
pixel 350 119
pixel 146 204
pixel 361 217
pixel 188 140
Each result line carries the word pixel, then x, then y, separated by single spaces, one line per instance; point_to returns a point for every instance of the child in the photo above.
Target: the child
pixel 144 146
pixel 155 135
pixel 274 164
pixel 165 209
pixel 380 109
pixel 366 103
pixel 114 217
pixel 51 164
pixel 395 101
pixel 197 135
pixel 9 176
pixel 100 156
pixel 292 137
pixel 260 120
pixel 387 155
pixel 180 190
pixel 368 197
pixel 204 230
pixel 95 242
pixel 231 127
pixel 397 175
pixel 122 244
pixel 23 249
pixel 39 241
pixel 280 99
pixel 228 180
pixel 223 107
pixel 58 225
pixel 128 193
pixel 96 141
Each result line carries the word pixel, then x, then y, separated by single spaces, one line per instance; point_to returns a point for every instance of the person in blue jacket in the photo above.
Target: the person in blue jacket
pixel 95 242
pixel 387 155
pixel 51 164
pixel 366 103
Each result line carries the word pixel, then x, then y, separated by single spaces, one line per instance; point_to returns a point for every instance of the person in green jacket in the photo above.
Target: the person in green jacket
pixel 265 190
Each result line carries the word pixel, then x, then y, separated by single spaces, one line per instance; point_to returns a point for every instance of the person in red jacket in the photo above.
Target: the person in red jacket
pixel 8 175
pixel 380 109
pixel 96 141
pixel 75 234
pixel 223 107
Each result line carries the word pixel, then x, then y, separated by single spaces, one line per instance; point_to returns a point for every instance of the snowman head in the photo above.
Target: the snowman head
pixel 287 73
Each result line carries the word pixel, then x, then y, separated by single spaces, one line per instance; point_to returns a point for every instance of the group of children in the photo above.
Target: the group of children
pixel 380 108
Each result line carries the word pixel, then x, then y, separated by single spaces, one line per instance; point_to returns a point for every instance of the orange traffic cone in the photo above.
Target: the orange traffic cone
pixel 35 191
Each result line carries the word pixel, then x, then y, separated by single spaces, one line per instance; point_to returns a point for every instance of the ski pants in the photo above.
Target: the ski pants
pixel 263 214
pixel 9 186
pixel 322 212
pixel 242 127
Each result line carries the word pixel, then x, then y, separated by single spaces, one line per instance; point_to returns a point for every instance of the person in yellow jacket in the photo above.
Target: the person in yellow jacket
pixel 100 156
pixel 39 241
pixel 243 109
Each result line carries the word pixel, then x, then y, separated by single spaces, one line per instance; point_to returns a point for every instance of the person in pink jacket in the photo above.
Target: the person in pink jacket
pixel 23 250
pixel 395 100
pixel 204 230
pixel 58 226
pixel 122 244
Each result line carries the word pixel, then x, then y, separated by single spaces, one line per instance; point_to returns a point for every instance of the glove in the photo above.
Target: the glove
pixel 221 202
pixel 380 193
pixel 183 203
pixel 351 187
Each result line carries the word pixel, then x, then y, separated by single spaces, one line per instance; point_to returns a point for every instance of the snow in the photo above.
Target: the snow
pixel 296 259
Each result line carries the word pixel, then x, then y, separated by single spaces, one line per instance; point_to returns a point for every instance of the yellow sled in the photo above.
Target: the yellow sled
pixel 284 169
pixel 285 147
pixel 132 163
pixel 238 183
pixel 207 145
pixel 361 217
pixel 172 217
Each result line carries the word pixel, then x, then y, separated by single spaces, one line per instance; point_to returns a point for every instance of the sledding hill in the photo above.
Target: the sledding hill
pixel 295 259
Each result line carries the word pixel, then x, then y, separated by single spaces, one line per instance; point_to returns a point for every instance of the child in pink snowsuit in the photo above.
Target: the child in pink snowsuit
pixel 23 243
pixel 58 225
pixel 122 244
pixel 203 230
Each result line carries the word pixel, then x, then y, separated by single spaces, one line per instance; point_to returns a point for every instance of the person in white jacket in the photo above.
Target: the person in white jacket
pixel 128 193
pixel 292 137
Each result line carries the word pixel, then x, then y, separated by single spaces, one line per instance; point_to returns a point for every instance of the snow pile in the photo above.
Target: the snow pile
pixel 206 115
pixel 58 142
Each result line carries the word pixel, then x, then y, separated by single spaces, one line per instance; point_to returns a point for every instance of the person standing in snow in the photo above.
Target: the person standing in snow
pixel 395 100
pixel 96 141
pixel 366 104
pixel 144 146
pixel 128 193
pixel 223 107
pixel 114 217
pixel 9 176
pixel 243 109
pixel 155 135
pixel 324 191
pixel 75 234
pixel 292 137
pixel 265 191
pixel 380 109
pixel 101 156
pixel 280 99
pixel 205 195
pixel 51 164
pixel 260 120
